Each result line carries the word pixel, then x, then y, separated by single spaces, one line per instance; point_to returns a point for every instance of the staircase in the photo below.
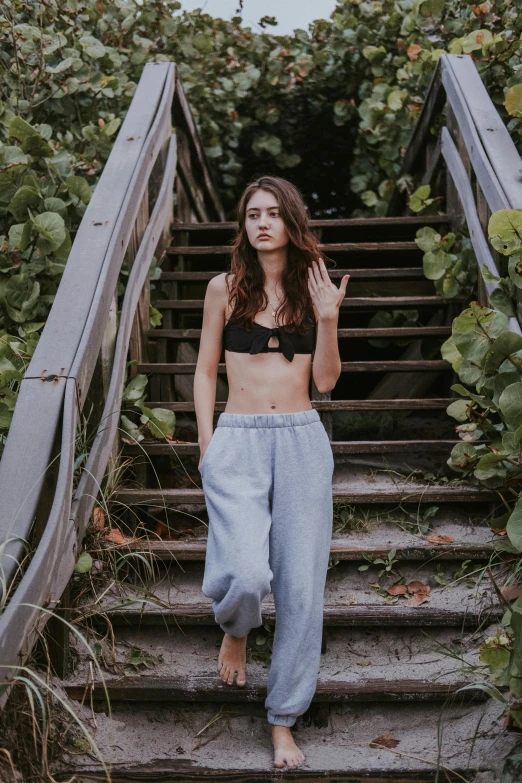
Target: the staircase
pixel 387 705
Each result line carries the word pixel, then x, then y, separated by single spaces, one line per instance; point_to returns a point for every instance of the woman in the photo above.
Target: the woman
pixel 267 468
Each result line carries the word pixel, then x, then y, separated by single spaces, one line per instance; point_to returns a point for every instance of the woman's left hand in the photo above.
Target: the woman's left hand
pixel 326 297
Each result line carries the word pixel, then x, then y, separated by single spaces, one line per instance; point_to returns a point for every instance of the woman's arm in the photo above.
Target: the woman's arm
pixel 205 375
pixel 326 300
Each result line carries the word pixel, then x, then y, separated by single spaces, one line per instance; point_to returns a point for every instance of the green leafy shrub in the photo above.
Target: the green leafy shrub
pixel 453 274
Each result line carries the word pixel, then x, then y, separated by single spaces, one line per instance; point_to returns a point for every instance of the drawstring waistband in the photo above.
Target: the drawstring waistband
pixel 268 419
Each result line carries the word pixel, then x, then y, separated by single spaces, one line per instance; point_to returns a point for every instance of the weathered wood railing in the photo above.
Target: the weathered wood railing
pixel 482 162
pixel 82 353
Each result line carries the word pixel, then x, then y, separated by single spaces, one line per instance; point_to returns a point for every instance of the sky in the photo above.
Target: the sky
pixel 290 14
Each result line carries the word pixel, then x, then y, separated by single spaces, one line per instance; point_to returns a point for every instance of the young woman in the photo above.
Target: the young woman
pixel 267 468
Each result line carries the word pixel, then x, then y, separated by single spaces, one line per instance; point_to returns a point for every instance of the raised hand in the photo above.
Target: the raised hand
pixel 326 297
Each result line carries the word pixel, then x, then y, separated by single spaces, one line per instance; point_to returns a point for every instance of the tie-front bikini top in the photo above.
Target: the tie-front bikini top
pixel 241 340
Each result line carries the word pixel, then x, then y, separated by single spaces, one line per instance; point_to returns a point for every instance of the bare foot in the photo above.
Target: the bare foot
pixel 286 752
pixel 232 659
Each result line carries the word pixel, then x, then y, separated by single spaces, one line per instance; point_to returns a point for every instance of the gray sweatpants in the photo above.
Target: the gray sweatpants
pixel 267 480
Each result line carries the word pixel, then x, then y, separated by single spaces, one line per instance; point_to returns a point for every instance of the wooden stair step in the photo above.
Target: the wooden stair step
pixel 347 303
pixel 353 333
pixel 384 222
pixel 230 744
pixel 334 247
pixel 346 616
pixel 393 365
pixel 195 549
pixel 357 494
pixel 338 447
pixel 210 688
pixel 433 403
pixel 335 274
pixel 349 600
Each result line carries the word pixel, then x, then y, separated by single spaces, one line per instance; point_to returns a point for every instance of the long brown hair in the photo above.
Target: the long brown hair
pixel 247 286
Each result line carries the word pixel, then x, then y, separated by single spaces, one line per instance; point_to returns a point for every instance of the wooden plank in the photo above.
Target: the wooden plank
pixel 426 365
pixel 198 688
pixel 355 333
pixel 183 115
pixel 433 103
pixel 195 550
pixel 66 357
pixel 179 771
pixel 335 247
pixel 354 301
pixel 494 136
pixel 385 222
pixel 480 244
pixel 429 403
pixel 362 615
pixel 365 493
pixel 338 447
pixel 482 167
pixel 335 274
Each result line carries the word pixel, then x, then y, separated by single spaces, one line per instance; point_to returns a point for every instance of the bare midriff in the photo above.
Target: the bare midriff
pixel 267 382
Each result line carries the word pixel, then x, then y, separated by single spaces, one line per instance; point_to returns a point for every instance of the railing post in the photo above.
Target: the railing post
pixel 138 344
pixel 454 208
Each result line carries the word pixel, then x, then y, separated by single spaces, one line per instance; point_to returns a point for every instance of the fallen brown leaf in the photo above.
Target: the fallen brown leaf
pixel 162 530
pixel 397 590
pixel 510 592
pixel 386 741
pixel 439 539
pixel 98 517
pixel 416 600
pixel 116 536
pixel 418 587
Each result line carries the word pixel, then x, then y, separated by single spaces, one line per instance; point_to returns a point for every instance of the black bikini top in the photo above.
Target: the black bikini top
pixel 241 340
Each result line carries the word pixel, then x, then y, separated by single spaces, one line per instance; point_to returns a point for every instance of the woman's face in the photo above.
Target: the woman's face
pixel 264 226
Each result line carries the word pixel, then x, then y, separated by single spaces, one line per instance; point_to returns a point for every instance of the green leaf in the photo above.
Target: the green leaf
pixel 458 410
pixel 506 344
pixel 130 430
pixel 155 317
pixel 432 8
pixel 514 526
pixel 427 239
pixel 135 388
pixel 505 231
pixel 488 276
pixel 24 198
pixel 515 270
pixel 510 403
pixel 436 264
pixel 21 130
pixel 92 46
pixel 463 455
pixel 476 40
pixel 488 466
pixel 78 186
pixel 51 228
pixel 418 199
pixel 83 564
pixel 513 102
pixel 162 422
pixel 494 656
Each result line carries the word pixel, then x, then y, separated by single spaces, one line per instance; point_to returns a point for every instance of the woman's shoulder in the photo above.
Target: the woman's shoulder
pixel 220 282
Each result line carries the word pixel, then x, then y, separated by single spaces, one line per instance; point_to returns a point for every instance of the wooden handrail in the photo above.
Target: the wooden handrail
pixel 477 140
pixel 37 467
